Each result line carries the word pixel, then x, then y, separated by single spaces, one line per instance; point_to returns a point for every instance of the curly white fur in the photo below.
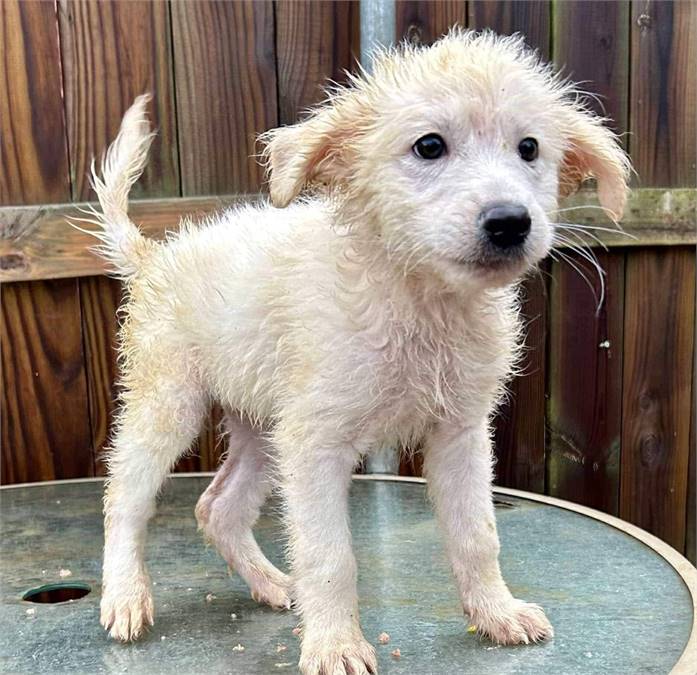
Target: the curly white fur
pixel 362 314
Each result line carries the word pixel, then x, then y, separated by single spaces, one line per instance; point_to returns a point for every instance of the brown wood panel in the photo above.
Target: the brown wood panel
pixel 530 18
pixel 45 430
pixel 314 41
pixel 658 354
pixel 100 298
pixel 225 69
pixel 584 413
pixel 36 243
pixel 663 114
pixel 519 440
pixel 112 52
pixel 691 521
pixel 33 150
pixel 425 22
pixel 600 59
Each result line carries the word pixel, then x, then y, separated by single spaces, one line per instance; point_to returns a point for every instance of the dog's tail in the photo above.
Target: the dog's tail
pixel 122 245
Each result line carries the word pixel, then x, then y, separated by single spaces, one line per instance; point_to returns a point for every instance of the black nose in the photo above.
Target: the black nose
pixel 505 224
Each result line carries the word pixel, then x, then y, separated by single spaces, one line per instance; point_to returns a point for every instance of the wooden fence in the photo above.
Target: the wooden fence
pixel 604 415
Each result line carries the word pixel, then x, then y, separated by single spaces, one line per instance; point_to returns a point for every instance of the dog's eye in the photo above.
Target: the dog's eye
pixel 430 146
pixel 528 149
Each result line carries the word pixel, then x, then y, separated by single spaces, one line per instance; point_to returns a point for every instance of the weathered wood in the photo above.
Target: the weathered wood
pixel 663 114
pixel 600 59
pixel 112 52
pixel 99 300
pixel 424 22
pixel 224 57
pixel 37 242
pixel 658 353
pixel 652 217
pixel 519 440
pixel 45 417
pixel 584 411
pixel 33 151
pixel 530 19
pixel 315 41
pixel 691 522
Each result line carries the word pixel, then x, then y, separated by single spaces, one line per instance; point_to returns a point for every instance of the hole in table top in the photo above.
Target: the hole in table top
pixel 56 593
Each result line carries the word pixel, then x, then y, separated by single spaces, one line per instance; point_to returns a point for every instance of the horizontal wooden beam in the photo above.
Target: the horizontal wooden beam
pixel 36 242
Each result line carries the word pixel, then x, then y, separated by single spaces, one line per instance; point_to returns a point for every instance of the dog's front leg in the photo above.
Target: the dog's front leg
pixel 458 466
pixel 316 485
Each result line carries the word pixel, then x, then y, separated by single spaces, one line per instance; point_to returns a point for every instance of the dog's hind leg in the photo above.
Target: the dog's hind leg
pixel 228 509
pixel 162 413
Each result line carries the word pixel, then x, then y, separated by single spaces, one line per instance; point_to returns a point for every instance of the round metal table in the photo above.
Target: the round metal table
pixel 620 600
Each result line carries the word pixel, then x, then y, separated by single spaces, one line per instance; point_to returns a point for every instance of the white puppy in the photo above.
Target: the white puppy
pixel 379 309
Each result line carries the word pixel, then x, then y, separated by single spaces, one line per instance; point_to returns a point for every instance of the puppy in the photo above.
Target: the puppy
pixel 372 303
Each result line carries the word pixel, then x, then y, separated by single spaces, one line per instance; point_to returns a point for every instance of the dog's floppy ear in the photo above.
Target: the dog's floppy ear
pixel 593 151
pixel 304 153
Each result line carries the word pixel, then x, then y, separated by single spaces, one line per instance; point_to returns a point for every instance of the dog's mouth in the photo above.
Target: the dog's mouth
pixel 488 259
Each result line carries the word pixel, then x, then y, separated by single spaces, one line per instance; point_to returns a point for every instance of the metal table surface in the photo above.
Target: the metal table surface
pixel 617 605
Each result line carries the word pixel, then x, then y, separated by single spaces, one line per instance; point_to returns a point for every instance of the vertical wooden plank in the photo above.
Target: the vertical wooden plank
pixel 33 148
pixel 100 298
pixel 691 523
pixel 519 439
pixel 45 417
pixel 315 41
pixel 531 19
pixel 658 353
pixel 45 430
pixel 225 70
pixel 585 378
pixel 601 58
pixel 424 22
pixel 663 114
pixel 585 382
pixel 112 52
pixel 102 77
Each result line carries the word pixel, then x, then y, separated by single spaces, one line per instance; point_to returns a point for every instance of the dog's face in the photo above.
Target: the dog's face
pixel 454 155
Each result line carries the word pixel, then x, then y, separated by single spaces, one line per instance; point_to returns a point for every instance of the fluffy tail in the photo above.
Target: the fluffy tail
pixel 122 243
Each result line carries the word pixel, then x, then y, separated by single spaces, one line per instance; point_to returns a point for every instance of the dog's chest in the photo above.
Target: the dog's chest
pixel 420 375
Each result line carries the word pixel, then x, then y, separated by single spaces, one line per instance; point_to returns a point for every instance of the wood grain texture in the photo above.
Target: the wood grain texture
pixel 584 412
pixel 658 355
pixel 315 41
pixel 530 18
pixel 37 243
pixel 33 150
pixel 45 430
pixel 112 52
pixel 224 57
pixel 691 520
pixel 519 440
pixel 100 298
pixel 663 113
pixel 424 22
pixel 600 59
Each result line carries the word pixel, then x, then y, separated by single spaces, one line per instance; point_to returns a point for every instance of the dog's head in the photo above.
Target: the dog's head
pixel 454 156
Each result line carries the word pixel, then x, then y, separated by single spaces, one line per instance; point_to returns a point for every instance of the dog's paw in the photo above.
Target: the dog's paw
pixel 331 657
pixel 514 623
pixel 272 592
pixel 127 612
